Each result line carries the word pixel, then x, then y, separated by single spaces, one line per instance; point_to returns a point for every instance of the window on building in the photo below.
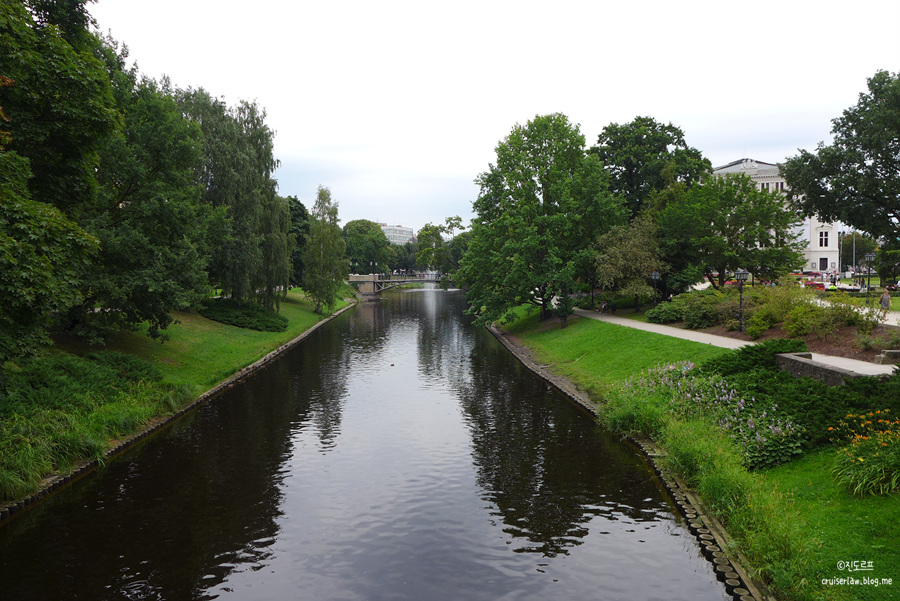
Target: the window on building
pixel 823 239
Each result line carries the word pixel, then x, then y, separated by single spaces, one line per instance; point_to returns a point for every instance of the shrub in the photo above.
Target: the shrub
pixel 752 356
pixel 870 463
pixel 665 312
pixel 252 317
pixel 701 310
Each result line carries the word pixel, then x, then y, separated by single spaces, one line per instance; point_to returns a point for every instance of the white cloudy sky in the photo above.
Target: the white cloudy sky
pixel 396 106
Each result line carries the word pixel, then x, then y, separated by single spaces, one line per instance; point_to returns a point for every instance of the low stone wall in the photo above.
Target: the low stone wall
pixel 802 364
pixel 888 357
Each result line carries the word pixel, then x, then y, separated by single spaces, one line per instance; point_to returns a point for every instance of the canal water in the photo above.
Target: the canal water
pixel 396 454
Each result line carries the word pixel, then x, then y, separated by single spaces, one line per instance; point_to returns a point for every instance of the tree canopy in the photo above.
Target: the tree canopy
pixel 123 199
pixel 856 179
pixel 368 248
pixel 727 223
pixel 644 156
pixel 325 265
pixel 537 211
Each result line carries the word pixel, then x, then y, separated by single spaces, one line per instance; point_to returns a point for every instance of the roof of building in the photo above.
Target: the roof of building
pixel 742 165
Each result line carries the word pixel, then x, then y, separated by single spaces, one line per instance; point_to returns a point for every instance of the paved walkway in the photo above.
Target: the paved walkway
pixel 860 367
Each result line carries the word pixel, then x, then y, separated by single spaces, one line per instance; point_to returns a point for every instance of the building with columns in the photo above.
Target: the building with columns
pixel 821 238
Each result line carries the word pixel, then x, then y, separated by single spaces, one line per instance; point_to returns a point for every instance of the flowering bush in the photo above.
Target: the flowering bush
pixel 870 463
pixel 765 437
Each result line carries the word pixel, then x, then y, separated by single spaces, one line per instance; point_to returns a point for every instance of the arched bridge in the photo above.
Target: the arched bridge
pixel 371 285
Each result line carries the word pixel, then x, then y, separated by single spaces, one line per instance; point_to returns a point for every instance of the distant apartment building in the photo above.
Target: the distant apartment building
pixel 397 234
pixel 821 239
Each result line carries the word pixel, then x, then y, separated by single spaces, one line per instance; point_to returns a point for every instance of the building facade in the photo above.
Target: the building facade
pixel 821 249
pixel 397 234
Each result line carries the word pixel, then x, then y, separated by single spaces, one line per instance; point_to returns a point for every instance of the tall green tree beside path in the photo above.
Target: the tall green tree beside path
pixel 627 255
pixel 856 179
pixel 324 262
pixel 368 248
pixel 537 213
pixel 644 156
pixel 727 223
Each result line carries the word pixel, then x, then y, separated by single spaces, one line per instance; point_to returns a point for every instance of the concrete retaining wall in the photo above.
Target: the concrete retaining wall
pixel 802 364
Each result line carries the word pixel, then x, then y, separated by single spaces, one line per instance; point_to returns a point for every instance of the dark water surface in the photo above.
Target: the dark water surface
pixel 396 454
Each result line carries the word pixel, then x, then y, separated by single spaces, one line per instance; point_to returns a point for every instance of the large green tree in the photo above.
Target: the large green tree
pixel 644 156
pixel 42 254
pixel 368 248
pixel 627 255
pixel 856 179
pixel 147 215
pixel 272 281
pixel 235 174
pixel 61 105
pixel 537 212
pixel 325 265
pixel 727 223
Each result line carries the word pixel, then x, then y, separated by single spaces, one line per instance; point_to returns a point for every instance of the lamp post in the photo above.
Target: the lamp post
pixel 870 258
pixel 840 251
pixel 741 275
pixel 655 277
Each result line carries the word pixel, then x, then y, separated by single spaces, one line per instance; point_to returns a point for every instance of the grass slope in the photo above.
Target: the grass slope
pixel 201 352
pixel 71 404
pixel 598 355
pixel 795 521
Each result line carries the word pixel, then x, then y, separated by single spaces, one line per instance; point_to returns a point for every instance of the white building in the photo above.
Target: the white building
pixel 397 234
pixel 821 251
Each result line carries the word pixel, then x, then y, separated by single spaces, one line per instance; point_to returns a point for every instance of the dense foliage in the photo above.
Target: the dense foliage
pixel 538 210
pixel 325 265
pixel 856 179
pixel 62 408
pixel 645 156
pixel 254 317
pixel 124 199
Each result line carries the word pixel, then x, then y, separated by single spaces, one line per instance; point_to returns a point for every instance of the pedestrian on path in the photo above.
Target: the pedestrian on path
pixel 885 303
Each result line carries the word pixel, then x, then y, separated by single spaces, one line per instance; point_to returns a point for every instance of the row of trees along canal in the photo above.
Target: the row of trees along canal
pixel 124 198
pixel 554 218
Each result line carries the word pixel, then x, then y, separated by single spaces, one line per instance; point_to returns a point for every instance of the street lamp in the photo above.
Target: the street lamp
pixel 655 277
pixel 741 275
pixel 870 258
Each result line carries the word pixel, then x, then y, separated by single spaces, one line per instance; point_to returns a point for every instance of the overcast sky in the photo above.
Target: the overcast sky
pixel 398 106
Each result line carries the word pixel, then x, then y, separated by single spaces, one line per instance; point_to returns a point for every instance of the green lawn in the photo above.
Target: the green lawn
pixel 201 352
pixel 796 511
pixel 64 407
pixel 598 354
pixel 842 528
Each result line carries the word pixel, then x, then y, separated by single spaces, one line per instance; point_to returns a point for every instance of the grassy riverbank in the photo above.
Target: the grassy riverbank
pixel 794 522
pixel 73 402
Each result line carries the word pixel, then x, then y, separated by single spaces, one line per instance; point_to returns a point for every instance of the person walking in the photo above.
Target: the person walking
pixel 885 304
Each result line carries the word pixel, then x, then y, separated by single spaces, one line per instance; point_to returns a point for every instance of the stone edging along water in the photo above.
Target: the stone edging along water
pixel 51 483
pixel 729 567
